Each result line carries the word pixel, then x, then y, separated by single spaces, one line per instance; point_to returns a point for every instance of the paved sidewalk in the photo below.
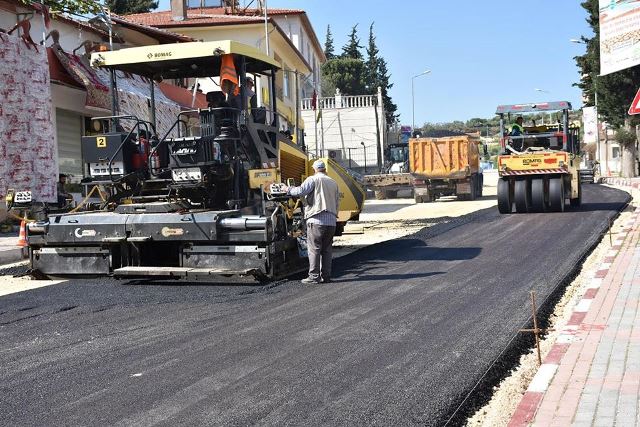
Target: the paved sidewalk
pixel 9 251
pixel 591 376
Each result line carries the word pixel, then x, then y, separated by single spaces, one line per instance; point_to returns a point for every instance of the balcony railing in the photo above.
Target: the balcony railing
pixel 340 101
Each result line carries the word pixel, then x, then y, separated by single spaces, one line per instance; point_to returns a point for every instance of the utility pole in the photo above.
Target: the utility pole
pixel 413 100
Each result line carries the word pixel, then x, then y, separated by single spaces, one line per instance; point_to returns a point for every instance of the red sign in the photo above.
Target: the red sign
pixel 635 105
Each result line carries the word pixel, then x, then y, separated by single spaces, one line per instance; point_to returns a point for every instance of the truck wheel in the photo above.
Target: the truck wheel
pixel 522 195
pixel 473 185
pixel 556 194
pixel 480 185
pixel 504 196
pixel 578 201
pixel 538 203
pixel 380 194
pixel 418 199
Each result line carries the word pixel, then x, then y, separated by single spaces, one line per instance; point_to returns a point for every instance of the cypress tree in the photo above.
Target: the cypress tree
pixel 352 48
pixel 329 50
pixel 377 75
pixel 371 77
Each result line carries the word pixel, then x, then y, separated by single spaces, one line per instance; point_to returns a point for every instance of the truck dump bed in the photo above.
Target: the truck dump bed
pixel 452 157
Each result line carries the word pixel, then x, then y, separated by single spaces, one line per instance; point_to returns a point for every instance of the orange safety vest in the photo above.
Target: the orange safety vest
pixel 228 72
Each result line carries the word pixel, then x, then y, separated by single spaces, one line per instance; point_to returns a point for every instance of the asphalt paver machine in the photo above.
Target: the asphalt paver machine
pixel 539 166
pixel 191 205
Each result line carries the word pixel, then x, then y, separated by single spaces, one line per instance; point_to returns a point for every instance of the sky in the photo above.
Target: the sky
pixel 480 53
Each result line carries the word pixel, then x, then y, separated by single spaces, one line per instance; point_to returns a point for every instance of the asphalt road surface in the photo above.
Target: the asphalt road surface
pixel 403 333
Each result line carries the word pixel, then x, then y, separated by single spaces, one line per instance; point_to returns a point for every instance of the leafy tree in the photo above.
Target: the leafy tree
pixel 345 74
pixel 329 50
pixel 73 6
pixel 125 7
pixel 615 91
pixel 352 48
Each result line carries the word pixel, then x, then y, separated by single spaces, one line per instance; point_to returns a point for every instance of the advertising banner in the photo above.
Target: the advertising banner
pixel 619 35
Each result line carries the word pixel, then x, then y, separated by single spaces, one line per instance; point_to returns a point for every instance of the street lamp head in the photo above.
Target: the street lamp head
pixel 540 90
pixel 362 143
pixel 579 41
pixel 422 73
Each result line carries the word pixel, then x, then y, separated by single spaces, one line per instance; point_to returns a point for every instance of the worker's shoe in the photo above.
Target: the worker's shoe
pixel 309 281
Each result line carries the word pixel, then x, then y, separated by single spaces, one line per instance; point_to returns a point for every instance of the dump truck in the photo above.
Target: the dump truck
pixel 193 205
pixel 445 166
pixel 539 166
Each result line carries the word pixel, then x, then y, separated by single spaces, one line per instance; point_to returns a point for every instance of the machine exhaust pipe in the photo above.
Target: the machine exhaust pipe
pixel 243 223
pixel 38 227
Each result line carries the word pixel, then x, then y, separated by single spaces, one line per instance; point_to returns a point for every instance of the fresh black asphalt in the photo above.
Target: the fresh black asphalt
pixel 399 338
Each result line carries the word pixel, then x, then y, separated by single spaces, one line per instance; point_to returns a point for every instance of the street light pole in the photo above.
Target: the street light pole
pixel 364 148
pixel 542 113
pixel 413 101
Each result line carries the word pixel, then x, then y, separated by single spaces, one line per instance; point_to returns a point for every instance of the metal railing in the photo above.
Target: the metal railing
pixel 341 101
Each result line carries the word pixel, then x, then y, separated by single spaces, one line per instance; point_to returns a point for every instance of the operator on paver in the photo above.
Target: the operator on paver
pixel 516 128
pixel 320 195
pixel 63 196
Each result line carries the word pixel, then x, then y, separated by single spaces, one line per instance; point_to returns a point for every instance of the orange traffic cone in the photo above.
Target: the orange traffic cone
pixel 22 238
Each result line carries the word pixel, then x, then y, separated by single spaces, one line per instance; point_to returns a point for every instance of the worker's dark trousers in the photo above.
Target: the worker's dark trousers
pixel 319 241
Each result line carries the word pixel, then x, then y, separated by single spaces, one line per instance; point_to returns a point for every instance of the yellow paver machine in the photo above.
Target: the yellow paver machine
pixel 191 203
pixel 539 167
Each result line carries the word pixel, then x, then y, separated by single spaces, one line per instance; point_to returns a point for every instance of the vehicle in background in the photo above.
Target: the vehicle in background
pixel 446 166
pixel 539 167
pixel 395 176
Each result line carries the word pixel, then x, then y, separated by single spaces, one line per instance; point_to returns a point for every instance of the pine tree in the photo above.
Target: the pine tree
pixel 352 48
pixel 125 7
pixel 329 50
pixel 615 91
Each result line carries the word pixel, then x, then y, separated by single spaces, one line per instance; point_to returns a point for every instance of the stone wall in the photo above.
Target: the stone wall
pixel 28 154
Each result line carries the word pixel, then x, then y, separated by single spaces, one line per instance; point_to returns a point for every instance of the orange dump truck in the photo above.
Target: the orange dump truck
pixel 448 166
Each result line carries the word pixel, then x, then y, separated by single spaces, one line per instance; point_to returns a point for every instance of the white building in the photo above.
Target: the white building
pixel 351 129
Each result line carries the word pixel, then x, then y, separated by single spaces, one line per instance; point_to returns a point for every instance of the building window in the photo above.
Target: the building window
pixel 69 134
pixel 286 82
pixel 615 152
